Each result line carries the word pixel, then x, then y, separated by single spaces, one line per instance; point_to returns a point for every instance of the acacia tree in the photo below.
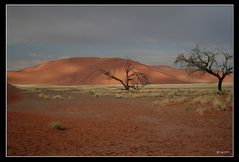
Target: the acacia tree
pixel 214 62
pixel 133 79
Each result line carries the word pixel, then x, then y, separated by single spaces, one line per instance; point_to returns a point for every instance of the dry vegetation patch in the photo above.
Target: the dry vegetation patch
pixel 196 97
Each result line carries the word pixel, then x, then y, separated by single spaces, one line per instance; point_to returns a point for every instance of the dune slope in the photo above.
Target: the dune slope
pixel 85 70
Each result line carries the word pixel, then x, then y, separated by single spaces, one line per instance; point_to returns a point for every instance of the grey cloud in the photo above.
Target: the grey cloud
pixel 106 25
pixel 147 33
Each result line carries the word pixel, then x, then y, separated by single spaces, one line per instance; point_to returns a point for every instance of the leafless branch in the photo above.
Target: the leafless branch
pixel 207 62
pixel 133 78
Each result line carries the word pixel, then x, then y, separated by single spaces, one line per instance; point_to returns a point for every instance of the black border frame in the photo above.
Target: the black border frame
pixel 3 77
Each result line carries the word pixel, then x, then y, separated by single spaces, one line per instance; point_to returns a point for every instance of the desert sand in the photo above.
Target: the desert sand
pixel 109 126
pixel 84 70
pixel 13 94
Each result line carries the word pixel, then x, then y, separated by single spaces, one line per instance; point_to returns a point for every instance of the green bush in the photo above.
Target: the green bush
pixel 57 125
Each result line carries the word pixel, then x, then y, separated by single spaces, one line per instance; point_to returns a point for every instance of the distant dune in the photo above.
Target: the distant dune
pixel 84 70
pixel 13 94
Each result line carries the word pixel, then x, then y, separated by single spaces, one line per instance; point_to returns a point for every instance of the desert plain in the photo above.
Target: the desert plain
pixel 177 117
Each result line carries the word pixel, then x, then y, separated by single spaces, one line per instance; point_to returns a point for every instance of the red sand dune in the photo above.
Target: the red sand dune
pixel 84 70
pixel 13 94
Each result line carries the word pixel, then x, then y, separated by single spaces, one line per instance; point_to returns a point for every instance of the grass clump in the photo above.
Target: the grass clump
pixel 219 105
pixel 47 96
pixel 42 95
pixel 70 97
pixel 156 103
pixel 212 102
pixel 119 95
pixel 57 125
pixel 97 95
pixel 57 97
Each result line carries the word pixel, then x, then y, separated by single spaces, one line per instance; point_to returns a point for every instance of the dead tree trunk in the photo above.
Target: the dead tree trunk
pixel 208 62
pixel 132 76
pixel 220 85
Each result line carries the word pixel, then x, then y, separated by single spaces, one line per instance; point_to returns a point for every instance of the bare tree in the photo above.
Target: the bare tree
pixel 133 79
pixel 213 62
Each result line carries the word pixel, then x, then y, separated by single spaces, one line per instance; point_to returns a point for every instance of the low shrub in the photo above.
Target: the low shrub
pixel 57 125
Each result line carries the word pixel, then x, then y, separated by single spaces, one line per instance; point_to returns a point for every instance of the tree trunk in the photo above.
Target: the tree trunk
pixel 127 88
pixel 127 80
pixel 220 84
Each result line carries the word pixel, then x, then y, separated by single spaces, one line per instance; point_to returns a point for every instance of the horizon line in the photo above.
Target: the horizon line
pixel 90 57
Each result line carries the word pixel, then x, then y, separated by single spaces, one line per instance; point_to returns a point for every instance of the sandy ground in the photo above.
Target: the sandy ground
pixel 108 126
pixel 13 94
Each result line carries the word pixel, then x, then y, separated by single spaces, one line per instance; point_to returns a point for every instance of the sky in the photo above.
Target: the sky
pixel 153 35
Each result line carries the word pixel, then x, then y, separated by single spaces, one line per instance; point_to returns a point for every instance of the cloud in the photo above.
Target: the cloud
pixel 109 25
pixel 116 31
pixel 21 64
pixel 151 56
pixel 64 57
pixel 34 54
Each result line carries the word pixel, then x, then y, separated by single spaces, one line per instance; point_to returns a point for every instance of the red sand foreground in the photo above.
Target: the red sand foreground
pixel 108 126
pixel 13 94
